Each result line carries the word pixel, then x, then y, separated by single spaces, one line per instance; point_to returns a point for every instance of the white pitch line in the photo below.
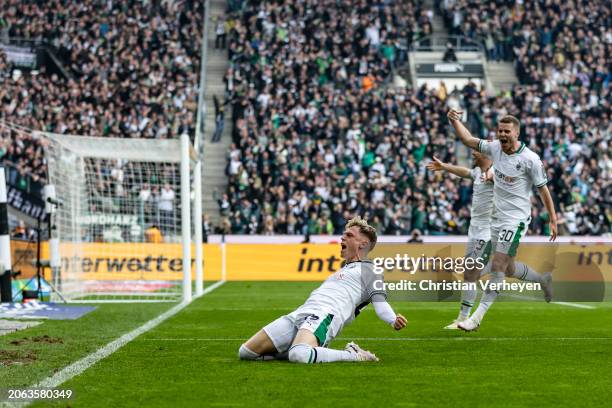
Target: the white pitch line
pixel 83 364
pixel 246 309
pixel 212 339
pixel 578 305
pixel 570 304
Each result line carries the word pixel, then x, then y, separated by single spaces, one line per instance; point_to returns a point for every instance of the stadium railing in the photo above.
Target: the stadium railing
pixel 439 43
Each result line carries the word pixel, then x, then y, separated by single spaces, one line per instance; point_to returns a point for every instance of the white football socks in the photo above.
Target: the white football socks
pixel 468 297
pixel 303 353
pixel 245 353
pixel 525 273
pixel 488 297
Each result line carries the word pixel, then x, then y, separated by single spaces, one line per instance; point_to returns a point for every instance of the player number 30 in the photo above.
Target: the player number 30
pixel 506 235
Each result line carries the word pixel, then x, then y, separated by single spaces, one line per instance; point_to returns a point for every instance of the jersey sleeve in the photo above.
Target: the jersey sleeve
pixel 383 310
pixel 371 283
pixel 538 173
pixel 475 173
pixel 488 148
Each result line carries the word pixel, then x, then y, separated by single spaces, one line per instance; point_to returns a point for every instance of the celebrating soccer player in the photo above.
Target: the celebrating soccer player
pixel 479 233
pixel 516 170
pixel 303 335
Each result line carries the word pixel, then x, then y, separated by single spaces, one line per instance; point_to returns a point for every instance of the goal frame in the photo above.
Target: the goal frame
pixel 179 151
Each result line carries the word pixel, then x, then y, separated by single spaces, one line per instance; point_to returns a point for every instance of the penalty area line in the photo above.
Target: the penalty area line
pixel 214 339
pixel 570 304
pixel 83 364
pixel 578 305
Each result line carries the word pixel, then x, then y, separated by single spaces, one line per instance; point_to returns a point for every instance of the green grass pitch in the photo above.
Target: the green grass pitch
pixel 525 354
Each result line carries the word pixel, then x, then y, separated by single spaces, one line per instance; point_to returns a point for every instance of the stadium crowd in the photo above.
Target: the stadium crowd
pixel 312 124
pixel 131 71
pixel 318 135
pixel 561 52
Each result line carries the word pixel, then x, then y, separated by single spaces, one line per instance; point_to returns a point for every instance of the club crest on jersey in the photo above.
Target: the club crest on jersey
pixel 518 166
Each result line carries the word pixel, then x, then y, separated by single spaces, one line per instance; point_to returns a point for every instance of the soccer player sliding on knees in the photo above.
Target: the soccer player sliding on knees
pixel 516 170
pixel 303 335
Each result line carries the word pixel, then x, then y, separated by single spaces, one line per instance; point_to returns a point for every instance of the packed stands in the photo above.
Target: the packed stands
pixel 319 136
pixel 131 71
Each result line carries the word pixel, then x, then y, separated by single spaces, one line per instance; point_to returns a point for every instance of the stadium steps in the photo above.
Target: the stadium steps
pixel 214 179
pixel 502 75
pixel 439 28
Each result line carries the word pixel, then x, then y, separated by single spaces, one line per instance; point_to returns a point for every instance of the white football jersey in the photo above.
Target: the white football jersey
pixel 482 199
pixel 345 292
pixel 515 176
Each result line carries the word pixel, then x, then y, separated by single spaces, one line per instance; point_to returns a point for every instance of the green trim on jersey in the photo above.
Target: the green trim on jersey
pixel 520 149
pixel 516 240
pixel 486 254
pixel 321 332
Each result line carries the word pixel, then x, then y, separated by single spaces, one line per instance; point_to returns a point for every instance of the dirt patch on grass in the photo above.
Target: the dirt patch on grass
pixel 47 339
pixel 38 339
pixel 10 357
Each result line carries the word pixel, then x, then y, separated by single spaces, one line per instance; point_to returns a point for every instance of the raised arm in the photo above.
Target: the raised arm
pixel 454 117
pixel 437 165
pixel 550 207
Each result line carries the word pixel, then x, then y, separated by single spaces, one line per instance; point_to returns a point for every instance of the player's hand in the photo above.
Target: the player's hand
pixel 400 322
pixel 488 176
pixel 454 115
pixel 435 165
pixel 553 230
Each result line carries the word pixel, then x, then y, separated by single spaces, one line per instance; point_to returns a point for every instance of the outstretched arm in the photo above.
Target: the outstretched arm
pixel 454 117
pixel 437 165
pixel 550 207
pixel 385 313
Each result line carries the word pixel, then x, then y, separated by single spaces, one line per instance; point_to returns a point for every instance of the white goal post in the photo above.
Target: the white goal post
pixel 124 219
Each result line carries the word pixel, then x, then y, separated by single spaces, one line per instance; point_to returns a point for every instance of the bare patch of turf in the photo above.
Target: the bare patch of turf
pixel 10 357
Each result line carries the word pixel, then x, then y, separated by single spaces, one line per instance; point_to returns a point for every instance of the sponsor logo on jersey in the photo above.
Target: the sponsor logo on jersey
pixel 501 176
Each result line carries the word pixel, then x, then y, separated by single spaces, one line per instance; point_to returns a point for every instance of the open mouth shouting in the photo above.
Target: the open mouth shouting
pixel 505 142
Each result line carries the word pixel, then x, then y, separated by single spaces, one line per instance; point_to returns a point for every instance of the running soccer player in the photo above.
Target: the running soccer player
pixel 479 233
pixel 303 335
pixel 516 170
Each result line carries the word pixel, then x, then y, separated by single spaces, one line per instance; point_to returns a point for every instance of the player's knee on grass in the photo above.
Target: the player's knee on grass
pixel 301 353
pixel 244 353
pixel 261 344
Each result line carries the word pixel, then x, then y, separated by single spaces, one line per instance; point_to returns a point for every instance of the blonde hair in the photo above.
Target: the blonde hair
pixel 365 228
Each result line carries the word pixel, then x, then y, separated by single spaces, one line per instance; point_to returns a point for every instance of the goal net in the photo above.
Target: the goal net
pixel 123 219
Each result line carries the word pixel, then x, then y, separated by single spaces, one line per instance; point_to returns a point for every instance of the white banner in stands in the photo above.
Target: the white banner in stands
pixel 20 56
